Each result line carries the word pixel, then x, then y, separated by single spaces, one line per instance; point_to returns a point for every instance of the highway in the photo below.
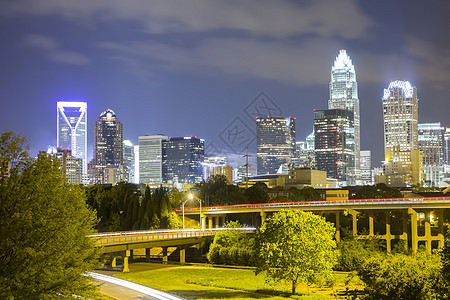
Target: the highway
pixel 126 290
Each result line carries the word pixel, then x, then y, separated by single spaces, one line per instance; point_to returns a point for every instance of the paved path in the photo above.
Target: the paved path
pixel 126 290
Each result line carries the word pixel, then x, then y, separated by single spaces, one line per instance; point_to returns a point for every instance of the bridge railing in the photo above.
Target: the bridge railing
pixel 128 237
pixel 330 203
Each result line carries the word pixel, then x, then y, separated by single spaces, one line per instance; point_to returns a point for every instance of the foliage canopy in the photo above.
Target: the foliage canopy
pixel 44 225
pixel 295 246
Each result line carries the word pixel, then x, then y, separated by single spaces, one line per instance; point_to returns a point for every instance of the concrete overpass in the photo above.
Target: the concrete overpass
pixel 113 245
pixel 415 221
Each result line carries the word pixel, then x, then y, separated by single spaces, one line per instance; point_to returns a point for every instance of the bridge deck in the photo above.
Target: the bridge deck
pixel 377 204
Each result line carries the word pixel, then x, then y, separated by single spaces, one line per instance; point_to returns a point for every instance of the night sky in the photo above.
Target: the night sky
pixel 198 67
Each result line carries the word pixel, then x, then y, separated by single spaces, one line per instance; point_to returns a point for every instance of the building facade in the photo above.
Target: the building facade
pixel 402 168
pixel 151 158
pixel 71 166
pixel 71 124
pixel 401 141
pixel 129 159
pixel 275 138
pixel 446 167
pixel 366 167
pixel 226 171
pixel 401 116
pixel 431 143
pixel 304 153
pixel 108 148
pixel 182 160
pixel 344 95
pixel 335 144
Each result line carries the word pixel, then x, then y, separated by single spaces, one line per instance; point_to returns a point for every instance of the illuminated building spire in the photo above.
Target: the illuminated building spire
pixel 344 95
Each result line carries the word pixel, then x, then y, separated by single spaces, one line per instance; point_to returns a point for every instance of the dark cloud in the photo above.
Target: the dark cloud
pixel 51 49
pixel 263 17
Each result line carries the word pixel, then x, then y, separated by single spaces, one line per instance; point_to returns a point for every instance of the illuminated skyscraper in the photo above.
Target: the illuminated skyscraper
pixel 71 124
pixel 275 138
pixel 108 148
pixel 431 143
pixel 129 158
pixel 334 144
pixel 150 158
pixel 182 158
pixel 344 95
pixel 366 167
pixel 400 114
pixel 403 164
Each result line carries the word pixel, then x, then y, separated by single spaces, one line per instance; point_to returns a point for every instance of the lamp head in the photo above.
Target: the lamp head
pixel 190 196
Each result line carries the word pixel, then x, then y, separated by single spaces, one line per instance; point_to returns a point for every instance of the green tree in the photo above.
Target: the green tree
pixel 45 223
pixel 379 190
pixel 216 191
pixel 354 252
pixel 444 286
pixel 295 246
pixel 257 193
pixel 401 276
pixel 231 247
pixel 174 221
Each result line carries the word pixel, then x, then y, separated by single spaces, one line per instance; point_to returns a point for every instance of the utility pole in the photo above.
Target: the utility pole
pixel 246 169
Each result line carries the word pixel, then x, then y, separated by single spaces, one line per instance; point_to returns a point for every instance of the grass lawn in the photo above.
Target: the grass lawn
pixel 205 282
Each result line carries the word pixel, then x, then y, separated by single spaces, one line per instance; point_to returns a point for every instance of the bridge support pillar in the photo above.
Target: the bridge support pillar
pixel 338 227
pixel 354 214
pixel 370 224
pixel 147 254
pixel 182 256
pixel 114 262
pixel 388 232
pixel 414 239
pixel 165 258
pixel 440 216
pixel 126 268
pixel 210 222
pixel 202 221
pixel 263 217
pixel 428 231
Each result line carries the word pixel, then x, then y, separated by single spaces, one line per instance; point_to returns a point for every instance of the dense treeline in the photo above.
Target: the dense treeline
pixel 400 274
pixel 232 247
pixel 122 207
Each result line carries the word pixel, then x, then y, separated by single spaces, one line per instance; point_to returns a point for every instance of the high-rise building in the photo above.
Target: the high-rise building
pixel 239 173
pixel 136 164
pixel 304 153
pixel 226 171
pixel 446 166
pixel 447 146
pixel 344 95
pixel 431 143
pixel 275 138
pixel 334 144
pixel 182 158
pixel 366 167
pixel 400 115
pixel 401 168
pixel 71 124
pixel 150 158
pixel 108 147
pixel 210 162
pixel 71 166
pixel 129 159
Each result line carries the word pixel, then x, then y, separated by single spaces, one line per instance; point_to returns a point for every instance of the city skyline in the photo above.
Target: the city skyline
pixel 196 76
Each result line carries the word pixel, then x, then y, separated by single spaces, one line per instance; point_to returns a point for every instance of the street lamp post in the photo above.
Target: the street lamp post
pixel 190 197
